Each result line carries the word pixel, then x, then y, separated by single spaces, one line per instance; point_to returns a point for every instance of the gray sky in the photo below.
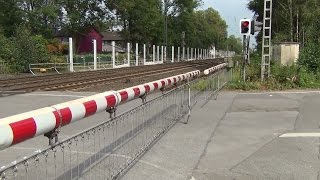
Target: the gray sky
pixel 231 11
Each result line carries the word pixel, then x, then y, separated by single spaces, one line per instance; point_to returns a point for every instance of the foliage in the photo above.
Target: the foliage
pixel 27 49
pixel 6 53
pixel 141 19
pixel 293 20
pixel 234 44
pixel 282 77
pixel 202 85
pixel 32 26
pixel 309 57
pixel 10 17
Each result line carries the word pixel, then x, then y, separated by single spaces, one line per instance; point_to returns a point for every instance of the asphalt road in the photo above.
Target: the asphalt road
pixel 238 136
pixel 241 136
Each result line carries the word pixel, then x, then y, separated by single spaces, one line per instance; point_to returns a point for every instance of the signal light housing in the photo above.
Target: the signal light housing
pixel 256 26
pixel 245 27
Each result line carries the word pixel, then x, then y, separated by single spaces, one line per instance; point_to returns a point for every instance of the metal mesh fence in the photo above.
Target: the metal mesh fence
pixel 107 150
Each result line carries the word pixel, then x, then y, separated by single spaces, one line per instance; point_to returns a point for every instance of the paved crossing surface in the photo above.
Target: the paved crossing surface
pixel 238 136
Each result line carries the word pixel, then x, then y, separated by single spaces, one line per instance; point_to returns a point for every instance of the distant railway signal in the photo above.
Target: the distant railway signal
pixel 245 26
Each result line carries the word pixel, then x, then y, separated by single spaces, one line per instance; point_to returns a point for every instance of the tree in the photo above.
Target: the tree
pixel 293 20
pixel 11 16
pixel 234 44
pixel 41 16
pixel 141 19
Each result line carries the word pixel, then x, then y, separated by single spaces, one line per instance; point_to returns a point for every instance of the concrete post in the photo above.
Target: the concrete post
pixel 172 54
pixel 198 54
pixel 188 49
pixel 154 54
pixel 113 54
pixel 162 53
pixel 71 54
pixel 144 54
pixel 165 53
pixel 183 53
pixel 137 54
pixel 128 47
pixel 178 54
pixel 158 54
pixel 95 54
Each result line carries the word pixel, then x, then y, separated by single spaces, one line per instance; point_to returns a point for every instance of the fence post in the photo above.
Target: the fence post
pixel 128 49
pixel 95 54
pixel 165 53
pixel 188 54
pixel 178 54
pixel 172 54
pixel 162 54
pixel 144 54
pixel 183 53
pixel 137 54
pixel 71 54
pixel 189 101
pixel 113 44
pixel 214 52
pixel 158 54
pixel 154 53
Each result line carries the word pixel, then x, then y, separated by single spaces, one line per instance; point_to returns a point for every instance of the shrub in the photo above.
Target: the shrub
pixel 27 49
pixel 6 45
pixel 310 57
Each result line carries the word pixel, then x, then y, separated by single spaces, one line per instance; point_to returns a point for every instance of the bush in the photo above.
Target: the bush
pixel 282 77
pixel 27 49
pixel 287 76
pixel 202 85
pixel 6 45
pixel 310 57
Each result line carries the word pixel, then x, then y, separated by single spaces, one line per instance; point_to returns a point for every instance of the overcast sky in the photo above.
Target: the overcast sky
pixel 231 11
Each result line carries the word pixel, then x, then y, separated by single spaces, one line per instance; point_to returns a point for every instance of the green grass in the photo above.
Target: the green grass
pixel 282 78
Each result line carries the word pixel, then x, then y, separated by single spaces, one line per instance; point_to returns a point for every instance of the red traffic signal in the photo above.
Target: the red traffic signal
pixel 245 27
pixel 245 23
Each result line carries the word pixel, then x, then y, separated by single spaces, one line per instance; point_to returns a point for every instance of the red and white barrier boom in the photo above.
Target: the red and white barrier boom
pixel 215 68
pixel 18 128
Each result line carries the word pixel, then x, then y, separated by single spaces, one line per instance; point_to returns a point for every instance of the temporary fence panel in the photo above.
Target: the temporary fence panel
pixel 107 150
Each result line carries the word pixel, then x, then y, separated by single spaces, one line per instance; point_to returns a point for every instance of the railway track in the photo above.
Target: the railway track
pixel 84 80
